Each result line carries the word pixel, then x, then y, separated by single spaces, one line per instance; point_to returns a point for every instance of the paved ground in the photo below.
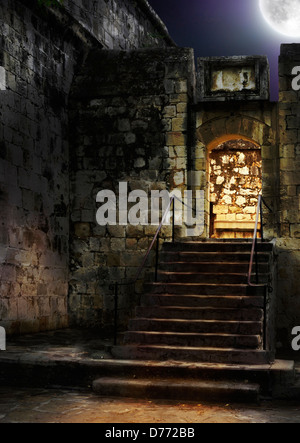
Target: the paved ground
pixel 62 406
pixel 36 405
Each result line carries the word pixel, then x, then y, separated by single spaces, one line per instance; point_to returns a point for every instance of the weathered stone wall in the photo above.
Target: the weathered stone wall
pixel 40 50
pixel 129 114
pixel 121 24
pixel 288 243
pixel 34 185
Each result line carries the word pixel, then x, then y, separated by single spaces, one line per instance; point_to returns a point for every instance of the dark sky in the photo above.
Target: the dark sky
pixel 223 28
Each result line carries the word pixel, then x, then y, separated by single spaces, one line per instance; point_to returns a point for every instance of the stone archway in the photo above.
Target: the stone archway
pixel 228 126
pixel 225 126
pixel 235 182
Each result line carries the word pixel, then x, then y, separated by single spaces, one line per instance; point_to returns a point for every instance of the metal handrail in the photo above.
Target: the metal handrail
pixel 133 282
pixel 254 252
pixel 259 214
pixel 156 239
pixel 254 243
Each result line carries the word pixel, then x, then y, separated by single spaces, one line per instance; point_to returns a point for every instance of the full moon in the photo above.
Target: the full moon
pixel 282 15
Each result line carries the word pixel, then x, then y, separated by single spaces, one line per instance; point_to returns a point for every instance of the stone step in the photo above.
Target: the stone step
pixel 204 289
pixel 140 369
pixel 180 389
pixel 217 247
pixel 221 301
pixel 194 340
pixel 191 354
pixel 184 313
pixel 280 372
pixel 197 326
pixel 33 366
pixel 211 267
pixel 200 277
pixel 228 257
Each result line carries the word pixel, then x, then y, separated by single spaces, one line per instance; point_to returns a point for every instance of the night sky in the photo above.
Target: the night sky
pixel 223 28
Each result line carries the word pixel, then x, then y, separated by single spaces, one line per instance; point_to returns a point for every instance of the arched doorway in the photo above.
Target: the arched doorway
pixel 235 182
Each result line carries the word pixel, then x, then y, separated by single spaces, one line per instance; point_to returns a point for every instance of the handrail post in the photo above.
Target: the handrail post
pixel 255 251
pixel 265 320
pixel 254 246
pixel 256 261
pixel 173 222
pixel 116 313
pixel 261 221
pixel 156 259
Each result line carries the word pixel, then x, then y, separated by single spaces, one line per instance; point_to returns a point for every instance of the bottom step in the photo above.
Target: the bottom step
pixel 183 390
pixel 192 354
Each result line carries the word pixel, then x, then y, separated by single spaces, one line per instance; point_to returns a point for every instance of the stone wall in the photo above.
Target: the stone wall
pixel 121 24
pixel 34 185
pixel 129 114
pixel 288 243
pixel 40 50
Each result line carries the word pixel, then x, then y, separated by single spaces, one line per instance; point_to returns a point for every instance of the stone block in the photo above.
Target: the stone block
pixel 116 231
pixel 82 230
pixel 293 122
pixel 287 151
pixel 169 86
pixel 295 230
pixel 94 244
pixel 220 209
pixel 135 231
pixel 250 210
pixel 289 136
pixel 140 163
pixel 130 138
pixel 179 124
pixel 181 86
pixel 143 244
pixel 170 111
pixel 130 259
pixel 117 244
pixel 176 139
pixel 179 98
pixel 287 164
pixel 179 178
pixel 131 243
pixel 182 108
pixel 288 97
pixel 88 259
pixel 181 163
pixel 290 178
pixel 180 151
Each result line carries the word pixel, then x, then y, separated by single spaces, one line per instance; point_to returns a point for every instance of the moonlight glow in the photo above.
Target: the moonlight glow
pixel 282 15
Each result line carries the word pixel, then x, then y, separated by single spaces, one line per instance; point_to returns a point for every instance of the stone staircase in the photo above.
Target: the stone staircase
pixel 202 309
pixel 198 334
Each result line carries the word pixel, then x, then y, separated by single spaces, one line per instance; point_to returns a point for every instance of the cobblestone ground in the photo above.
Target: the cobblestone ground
pixel 62 406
